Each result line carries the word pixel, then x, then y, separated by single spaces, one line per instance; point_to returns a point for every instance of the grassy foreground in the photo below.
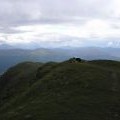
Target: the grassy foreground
pixel 61 91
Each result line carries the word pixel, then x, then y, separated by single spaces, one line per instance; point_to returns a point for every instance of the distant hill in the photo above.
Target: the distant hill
pixel 5 46
pixel 75 89
pixel 10 57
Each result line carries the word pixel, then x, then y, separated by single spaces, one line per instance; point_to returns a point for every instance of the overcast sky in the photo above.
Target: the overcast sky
pixel 59 23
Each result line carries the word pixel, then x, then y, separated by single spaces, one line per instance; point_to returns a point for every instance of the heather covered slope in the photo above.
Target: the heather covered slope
pixel 61 91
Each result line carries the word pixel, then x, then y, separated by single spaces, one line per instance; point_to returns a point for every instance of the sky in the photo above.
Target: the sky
pixel 60 23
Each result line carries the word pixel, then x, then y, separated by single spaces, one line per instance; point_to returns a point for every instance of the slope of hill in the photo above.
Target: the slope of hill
pixel 71 90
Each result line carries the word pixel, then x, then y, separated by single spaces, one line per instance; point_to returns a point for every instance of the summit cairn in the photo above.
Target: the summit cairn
pixel 75 60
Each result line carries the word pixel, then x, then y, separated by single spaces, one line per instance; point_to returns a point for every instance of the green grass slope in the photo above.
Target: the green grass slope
pixel 17 79
pixel 61 91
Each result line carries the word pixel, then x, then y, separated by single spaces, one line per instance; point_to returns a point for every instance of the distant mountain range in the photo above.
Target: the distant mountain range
pixel 9 57
pixel 5 46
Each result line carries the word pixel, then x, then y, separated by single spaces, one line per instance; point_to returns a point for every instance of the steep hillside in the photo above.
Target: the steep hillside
pixel 71 90
pixel 17 79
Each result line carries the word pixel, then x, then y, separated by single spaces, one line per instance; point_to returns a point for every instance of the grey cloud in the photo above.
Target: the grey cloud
pixel 15 13
pixel 25 12
pixel 10 30
pixel 47 11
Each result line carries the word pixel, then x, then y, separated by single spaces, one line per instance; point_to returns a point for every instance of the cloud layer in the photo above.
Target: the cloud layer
pixel 58 23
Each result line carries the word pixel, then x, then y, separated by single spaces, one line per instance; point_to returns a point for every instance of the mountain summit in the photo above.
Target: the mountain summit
pixel 87 90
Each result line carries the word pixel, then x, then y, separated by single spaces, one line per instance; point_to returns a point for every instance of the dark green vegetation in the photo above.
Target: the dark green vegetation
pixel 71 90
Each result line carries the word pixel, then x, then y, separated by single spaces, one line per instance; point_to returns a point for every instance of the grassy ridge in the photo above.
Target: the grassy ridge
pixel 61 91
